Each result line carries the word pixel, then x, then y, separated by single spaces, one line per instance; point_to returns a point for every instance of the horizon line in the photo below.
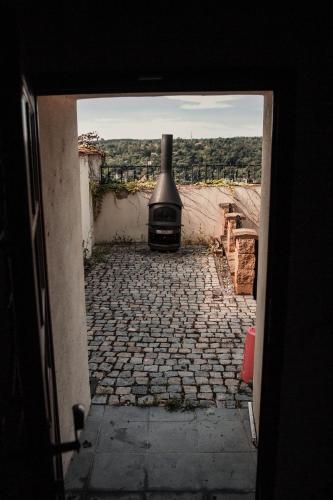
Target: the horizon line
pixel 186 138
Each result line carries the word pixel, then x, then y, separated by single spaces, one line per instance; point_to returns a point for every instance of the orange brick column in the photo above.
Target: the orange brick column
pixel 225 210
pixel 231 226
pixel 244 260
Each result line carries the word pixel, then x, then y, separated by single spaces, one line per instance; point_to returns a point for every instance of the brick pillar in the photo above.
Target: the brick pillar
pixel 244 260
pixel 231 227
pixel 225 210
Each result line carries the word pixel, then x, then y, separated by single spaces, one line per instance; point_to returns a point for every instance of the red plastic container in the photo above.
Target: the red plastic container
pixel 248 360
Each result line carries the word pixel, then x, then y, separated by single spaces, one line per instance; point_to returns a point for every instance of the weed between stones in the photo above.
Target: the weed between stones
pixel 179 404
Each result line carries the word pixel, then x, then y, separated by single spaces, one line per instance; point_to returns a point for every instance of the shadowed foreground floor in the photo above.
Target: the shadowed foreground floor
pixel 133 453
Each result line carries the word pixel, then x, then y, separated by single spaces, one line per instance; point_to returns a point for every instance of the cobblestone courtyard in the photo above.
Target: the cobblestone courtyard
pixel 164 327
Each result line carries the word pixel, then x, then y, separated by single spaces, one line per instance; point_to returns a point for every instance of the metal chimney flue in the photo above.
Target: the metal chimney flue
pixel 165 205
pixel 166 153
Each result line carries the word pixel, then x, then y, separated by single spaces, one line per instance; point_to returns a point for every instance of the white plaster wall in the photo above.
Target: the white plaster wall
pixel 62 209
pixel 125 218
pixel 201 216
pixel 87 220
pixel 248 201
pixel 95 162
pixel 262 255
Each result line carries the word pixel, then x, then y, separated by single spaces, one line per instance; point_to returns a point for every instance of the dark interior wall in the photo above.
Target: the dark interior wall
pixel 150 37
pixel 13 429
pixel 26 463
pixel 306 418
pixel 85 49
pixel 149 40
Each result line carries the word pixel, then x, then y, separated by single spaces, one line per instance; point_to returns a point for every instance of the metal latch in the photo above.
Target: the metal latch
pixel 78 418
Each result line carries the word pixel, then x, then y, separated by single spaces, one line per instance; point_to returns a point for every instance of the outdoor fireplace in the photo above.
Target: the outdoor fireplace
pixel 165 205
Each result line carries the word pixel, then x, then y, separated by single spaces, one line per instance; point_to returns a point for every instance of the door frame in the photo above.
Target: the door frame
pixel 282 84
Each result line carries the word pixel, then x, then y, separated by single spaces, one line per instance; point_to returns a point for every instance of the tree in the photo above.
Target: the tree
pixel 91 140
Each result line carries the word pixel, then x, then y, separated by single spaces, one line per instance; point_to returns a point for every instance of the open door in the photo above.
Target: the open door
pixel 48 403
pixel 30 435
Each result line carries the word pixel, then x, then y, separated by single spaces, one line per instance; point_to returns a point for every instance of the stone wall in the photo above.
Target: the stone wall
pixel 202 217
pixel 87 220
pixel 245 260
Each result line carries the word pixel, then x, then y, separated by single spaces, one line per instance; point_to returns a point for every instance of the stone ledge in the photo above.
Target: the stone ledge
pixel 245 233
pixel 234 215
pixel 226 205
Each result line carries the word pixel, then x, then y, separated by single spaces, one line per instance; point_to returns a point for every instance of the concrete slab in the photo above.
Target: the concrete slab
pixel 123 437
pixel 139 451
pixel 70 495
pixel 119 472
pixel 96 411
pixel 244 416
pixel 162 415
pixel 224 435
pixel 166 437
pixel 169 495
pixel 89 436
pixel 126 414
pixel 223 471
pixel 174 471
pixel 79 470
pixel 232 496
pixel 217 414
pixel 117 495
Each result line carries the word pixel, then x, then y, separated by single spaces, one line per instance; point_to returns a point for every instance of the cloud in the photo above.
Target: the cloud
pixel 198 102
pixel 110 120
pixel 153 129
pixel 150 117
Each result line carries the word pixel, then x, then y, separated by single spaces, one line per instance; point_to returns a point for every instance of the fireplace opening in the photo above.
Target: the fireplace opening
pixel 164 214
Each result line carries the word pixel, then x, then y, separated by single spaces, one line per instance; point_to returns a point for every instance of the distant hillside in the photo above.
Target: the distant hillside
pixel 235 151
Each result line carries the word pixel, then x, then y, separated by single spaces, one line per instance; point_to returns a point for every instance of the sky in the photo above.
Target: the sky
pixel 190 116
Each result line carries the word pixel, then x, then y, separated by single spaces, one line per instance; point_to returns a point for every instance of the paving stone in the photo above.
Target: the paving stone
pixel 174 380
pixel 141 380
pixel 128 398
pixel 102 389
pixel 99 400
pixel 201 380
pixel 157 389
pixel 123 382
pixel 158 380
pixel 146 400
pixel 190 389
pixel 140 390
pixel 123 390
pixel 174 388
pixel 219 388
pixel 231 382
pixel 205 395
pixel 205 388
pixel 113 400
pixel 188 381
pixel 107 381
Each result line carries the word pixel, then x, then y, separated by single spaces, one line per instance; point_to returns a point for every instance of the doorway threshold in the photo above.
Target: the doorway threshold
pixel 150 453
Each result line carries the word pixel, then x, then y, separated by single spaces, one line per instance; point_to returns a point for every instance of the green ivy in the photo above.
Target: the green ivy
pixel 120 190
pixel 124 189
